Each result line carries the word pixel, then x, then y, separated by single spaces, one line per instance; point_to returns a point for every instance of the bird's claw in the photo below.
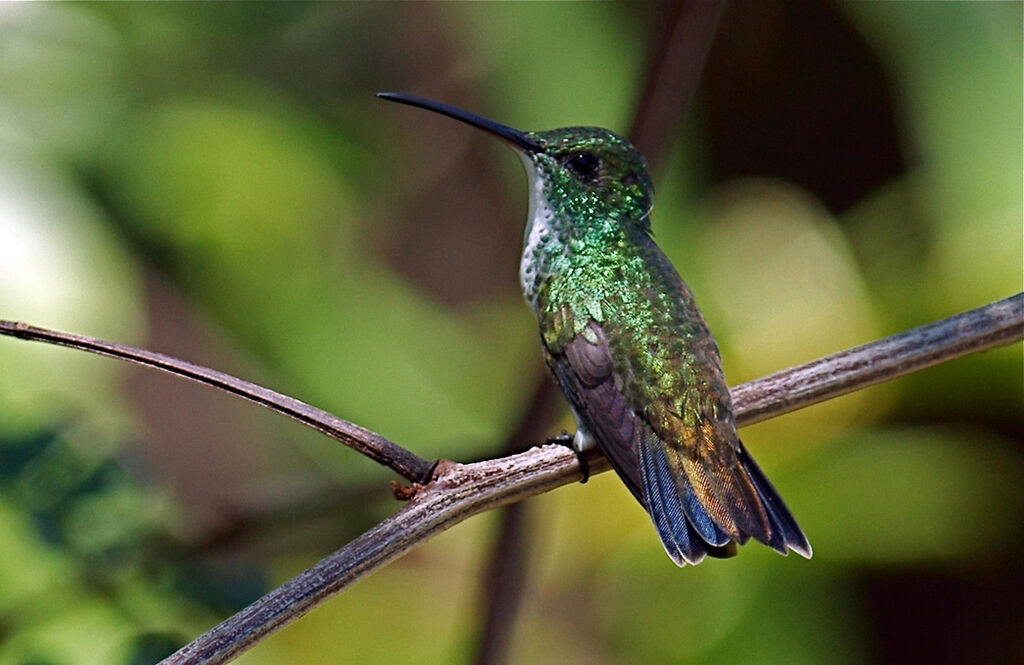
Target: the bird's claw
pixel 563 439
pixel 566 439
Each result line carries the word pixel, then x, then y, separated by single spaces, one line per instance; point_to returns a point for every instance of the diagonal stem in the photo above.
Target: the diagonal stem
pixel 458 491
pixel 376 447
pixel 687 31
pixel 995 324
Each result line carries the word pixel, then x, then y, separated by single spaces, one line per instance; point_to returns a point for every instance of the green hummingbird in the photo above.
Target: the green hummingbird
pixel 623 338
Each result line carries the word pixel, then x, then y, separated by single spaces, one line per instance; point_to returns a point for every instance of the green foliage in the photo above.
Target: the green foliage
pixel 218 181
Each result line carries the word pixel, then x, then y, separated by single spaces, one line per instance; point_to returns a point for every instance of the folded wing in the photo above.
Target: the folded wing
pixel 703 491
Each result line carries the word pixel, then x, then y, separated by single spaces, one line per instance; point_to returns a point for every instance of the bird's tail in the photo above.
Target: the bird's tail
pixel 687 528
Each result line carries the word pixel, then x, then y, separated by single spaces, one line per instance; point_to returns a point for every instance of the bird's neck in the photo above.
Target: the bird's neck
pixel 564 237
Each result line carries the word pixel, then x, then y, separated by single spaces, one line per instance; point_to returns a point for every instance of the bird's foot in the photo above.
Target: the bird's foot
pixel 567 440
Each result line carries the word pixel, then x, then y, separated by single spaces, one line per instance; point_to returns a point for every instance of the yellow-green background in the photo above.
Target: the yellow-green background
pixel 216 181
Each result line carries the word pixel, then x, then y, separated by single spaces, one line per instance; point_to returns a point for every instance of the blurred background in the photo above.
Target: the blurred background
pixel 217 182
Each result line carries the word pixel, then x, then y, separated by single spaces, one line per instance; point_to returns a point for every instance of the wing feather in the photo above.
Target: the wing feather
pixel 584 371
pixel 702 489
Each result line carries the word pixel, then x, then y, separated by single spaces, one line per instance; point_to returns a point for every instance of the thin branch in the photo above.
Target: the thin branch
pixel 996 324
pixel 459 491
pixel 390 454
pixel 503 582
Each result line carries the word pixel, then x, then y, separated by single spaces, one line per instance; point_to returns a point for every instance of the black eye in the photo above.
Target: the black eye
pixel 584 165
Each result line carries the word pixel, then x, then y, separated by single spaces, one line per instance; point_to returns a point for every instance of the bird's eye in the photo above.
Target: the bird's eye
pixel 584 165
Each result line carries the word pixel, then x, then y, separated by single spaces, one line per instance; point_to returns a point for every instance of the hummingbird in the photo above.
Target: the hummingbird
pixel 623 338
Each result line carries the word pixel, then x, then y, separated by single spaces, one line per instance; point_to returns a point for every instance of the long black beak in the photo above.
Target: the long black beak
pixel 513 136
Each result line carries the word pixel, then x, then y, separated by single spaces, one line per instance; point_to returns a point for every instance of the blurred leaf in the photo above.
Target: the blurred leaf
pixel 686 616
pixel 909 495
pixel 29 570
pixel 63 268
pixel 85 633
pixel 799 618
pixel 56 61
pixel 558 77
pixel 958 68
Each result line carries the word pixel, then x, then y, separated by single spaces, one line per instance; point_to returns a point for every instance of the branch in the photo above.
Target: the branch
pixel 458 491
pixel 996 324
pixel 406 464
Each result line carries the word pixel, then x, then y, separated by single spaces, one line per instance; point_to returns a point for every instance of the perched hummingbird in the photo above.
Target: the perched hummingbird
pixel 623 337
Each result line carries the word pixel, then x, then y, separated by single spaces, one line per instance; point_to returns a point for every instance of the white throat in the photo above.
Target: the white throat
pixel 538 230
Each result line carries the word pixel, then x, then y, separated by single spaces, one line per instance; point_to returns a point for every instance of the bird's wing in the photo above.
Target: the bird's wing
pixel 678 453
pixel 585 372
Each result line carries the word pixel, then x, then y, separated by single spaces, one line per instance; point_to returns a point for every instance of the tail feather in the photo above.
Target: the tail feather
pixel 686 530
pixel 785 532
pixel 682 545
pixel 743 515
pixel 697 516
pixel 690 532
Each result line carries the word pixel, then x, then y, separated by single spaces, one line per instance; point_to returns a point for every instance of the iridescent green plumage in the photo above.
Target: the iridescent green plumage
pixel 625 341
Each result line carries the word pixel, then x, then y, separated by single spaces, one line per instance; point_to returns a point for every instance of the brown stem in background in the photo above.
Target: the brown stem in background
pixel 673 74
pixel 504 578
